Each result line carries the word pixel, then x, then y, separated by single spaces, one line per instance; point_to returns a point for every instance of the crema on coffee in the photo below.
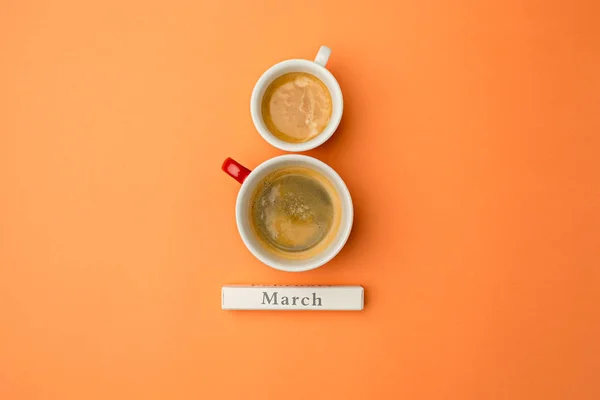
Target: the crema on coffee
pixel 295 212
pixel 296 107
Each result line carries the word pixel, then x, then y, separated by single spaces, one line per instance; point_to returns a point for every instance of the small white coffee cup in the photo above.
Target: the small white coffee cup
pixel 251 179
pixel 316 68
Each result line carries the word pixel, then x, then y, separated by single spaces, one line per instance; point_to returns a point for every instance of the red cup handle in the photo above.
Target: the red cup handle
pixel 236 170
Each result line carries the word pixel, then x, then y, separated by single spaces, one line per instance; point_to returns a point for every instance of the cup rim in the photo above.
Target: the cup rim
pixel 345 227
pixel 274 72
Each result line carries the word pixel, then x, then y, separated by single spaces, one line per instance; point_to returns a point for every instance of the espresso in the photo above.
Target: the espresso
pixel 296 107
pixel 295 212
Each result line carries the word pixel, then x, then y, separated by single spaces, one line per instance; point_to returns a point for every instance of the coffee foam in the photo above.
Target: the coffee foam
pixel 297 107
pixel 295 212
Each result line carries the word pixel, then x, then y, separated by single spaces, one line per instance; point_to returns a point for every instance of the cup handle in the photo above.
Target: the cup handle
pixel 235 170
pixel 323 56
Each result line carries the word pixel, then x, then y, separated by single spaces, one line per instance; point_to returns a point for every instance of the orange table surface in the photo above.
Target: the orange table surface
pixel 470 142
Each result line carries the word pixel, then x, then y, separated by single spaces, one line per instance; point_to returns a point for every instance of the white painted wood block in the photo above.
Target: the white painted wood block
pixel 258 297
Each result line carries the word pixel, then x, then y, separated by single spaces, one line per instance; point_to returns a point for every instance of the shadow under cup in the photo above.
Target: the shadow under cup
pixel 321 252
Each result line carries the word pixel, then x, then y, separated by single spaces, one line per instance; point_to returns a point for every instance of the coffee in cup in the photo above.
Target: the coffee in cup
pixel 296 107
pixel 295 212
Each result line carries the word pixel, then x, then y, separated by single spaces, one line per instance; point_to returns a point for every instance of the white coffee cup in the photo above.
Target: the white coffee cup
pixel 316 68
pixel 251 179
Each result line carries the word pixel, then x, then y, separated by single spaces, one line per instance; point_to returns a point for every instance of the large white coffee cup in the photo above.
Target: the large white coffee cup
pixel 316 68
pixel 251 179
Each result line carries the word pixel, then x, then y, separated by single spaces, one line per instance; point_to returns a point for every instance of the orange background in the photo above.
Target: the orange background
pixel 470 142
